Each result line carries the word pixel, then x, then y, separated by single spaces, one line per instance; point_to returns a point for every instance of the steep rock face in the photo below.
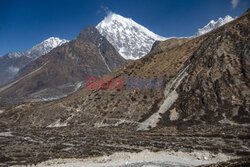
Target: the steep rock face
pixel 111 57
pixel 65 68
pixel 206 81
pixel 216 88
pixel 129 38
pixel 12 63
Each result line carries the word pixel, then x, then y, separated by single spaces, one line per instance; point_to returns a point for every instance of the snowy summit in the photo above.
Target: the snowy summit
pixel 39 49
pixel 11 63
pixel 46 46
pixel 129 38
pixel 214 24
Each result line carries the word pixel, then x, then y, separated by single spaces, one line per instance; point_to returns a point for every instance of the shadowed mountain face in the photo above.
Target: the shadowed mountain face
pixel 11 63
pixel 206 81
pixel 65 68
pixel 9 67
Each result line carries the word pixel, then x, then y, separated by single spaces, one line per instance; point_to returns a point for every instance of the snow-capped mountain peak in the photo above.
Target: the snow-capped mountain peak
pixel 53 42
pixel 45 47
pixel 129 38
pixel 39 49
pixel 214 24
pixel 11 63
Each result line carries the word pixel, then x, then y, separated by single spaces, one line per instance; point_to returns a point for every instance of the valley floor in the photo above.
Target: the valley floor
pixel 26 145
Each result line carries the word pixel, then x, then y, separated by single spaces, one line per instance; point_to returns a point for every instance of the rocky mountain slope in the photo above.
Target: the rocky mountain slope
pixel 129 38
pixel 11 63
pixel 163 46
pixel 65 68
pixel 213 24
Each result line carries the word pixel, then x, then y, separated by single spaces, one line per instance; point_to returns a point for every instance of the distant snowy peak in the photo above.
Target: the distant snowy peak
pixel 39 49
pixel 129 38
pixel 13 62
pixel 45 47
pixel 214 24
pixel 15 54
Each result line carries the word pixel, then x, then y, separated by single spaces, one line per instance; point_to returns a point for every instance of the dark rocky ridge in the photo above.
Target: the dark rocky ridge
pixel 13 62
pixel 58 72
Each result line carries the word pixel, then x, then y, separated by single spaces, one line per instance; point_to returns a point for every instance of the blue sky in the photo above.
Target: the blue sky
pixel 24 23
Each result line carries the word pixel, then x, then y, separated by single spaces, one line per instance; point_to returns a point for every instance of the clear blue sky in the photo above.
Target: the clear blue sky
pixel 24 23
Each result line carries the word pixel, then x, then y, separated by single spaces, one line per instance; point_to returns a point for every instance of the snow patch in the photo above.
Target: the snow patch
pixel 1 111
